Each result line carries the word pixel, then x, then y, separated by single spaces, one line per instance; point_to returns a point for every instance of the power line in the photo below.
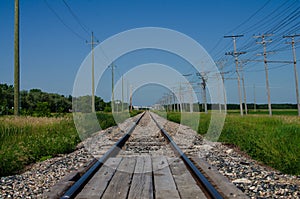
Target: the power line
pixel 62 21
pixel 84 27
pixel 249 18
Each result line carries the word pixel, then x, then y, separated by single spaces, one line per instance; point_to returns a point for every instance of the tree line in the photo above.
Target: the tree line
pixel 35 102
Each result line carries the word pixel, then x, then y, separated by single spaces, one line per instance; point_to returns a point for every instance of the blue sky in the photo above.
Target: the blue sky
pixel 51 53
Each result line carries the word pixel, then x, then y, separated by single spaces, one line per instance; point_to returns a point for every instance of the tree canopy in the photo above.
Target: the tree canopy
pixel 38 103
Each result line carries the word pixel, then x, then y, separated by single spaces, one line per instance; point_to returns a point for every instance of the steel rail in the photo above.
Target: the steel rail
pixel 113 151
pixel 198 175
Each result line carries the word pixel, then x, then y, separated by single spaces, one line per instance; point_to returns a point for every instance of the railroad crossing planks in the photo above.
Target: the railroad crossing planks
pixel 185 182
pixel 97 185
pixel 165 187
pixel 120 183
pixel 142 177
pixel 142 184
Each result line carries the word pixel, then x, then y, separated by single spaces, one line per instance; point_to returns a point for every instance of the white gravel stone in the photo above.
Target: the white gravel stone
pixel 242 180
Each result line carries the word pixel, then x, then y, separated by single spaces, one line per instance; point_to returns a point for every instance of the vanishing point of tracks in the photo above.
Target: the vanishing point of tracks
pixel 144 165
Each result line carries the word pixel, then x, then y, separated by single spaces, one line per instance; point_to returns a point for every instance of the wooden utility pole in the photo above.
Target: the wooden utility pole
pixel 224 92
pixel 203 77
pixel 221 66
pixel 263 42
pixel 235 54
pixel 122 94
pixel 16 61
pixel 191 99
pixel 203 84
pixel 295 68
pixel 180 98
pixel 244 91
pixel 92 43
pixel 112 88
pixel 254 98
pixel 130 98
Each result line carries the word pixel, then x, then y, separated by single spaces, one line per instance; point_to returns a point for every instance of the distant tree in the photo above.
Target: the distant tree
pixel 42 110
pixel 99 104
pixel 6 99
pixel 39 103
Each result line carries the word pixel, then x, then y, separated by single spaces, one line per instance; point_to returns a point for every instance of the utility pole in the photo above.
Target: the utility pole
pixel 203 84
pixel 122 93
pixel 191 99
pixel 130 98
pixel 235 54
pixel 171 105
pixel 263 42
pixel 244 90
pixel 221 66
pixel 112 88
pixel 203 77
pixel 16 61
pixel 93 71
pixel 174 101
pixel 295 68
pixel 254 98
pixel 180 97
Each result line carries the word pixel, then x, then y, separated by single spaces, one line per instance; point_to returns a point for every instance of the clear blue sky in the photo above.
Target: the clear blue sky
pixel 51 53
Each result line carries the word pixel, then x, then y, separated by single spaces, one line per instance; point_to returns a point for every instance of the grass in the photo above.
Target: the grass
pixel 273 141
pixel 266 112
pixel 26 140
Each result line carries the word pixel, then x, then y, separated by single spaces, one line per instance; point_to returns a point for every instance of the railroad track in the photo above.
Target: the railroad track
pixel 147 163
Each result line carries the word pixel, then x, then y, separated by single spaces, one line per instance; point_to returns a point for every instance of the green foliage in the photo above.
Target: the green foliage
pixel 35 102
pixel 6 99
pixel 26 140
pixel 42 109
pixel 271 140
pixel 107 109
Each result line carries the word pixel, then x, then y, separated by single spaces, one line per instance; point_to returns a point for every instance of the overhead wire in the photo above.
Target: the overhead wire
pixel 83 26
pixel 251 16
pixel 62 21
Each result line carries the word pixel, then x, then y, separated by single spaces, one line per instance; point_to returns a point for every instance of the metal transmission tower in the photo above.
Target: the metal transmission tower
pixel 235 54
pixel 295 67
pixel 92 43
pixel 17 61
pixel 263 42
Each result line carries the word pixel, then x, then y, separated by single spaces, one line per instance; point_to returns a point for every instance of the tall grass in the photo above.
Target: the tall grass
pixel 273 141
pixel 25 140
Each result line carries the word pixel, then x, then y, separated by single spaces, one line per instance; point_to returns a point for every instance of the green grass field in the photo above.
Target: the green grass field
pixel 266 112
pixel 25 140
pixel 274 141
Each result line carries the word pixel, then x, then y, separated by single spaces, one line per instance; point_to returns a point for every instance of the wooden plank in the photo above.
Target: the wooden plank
pixel 96 186
pixel 164 185
pixel 119 186
pixel 141 186
pixel 185 182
